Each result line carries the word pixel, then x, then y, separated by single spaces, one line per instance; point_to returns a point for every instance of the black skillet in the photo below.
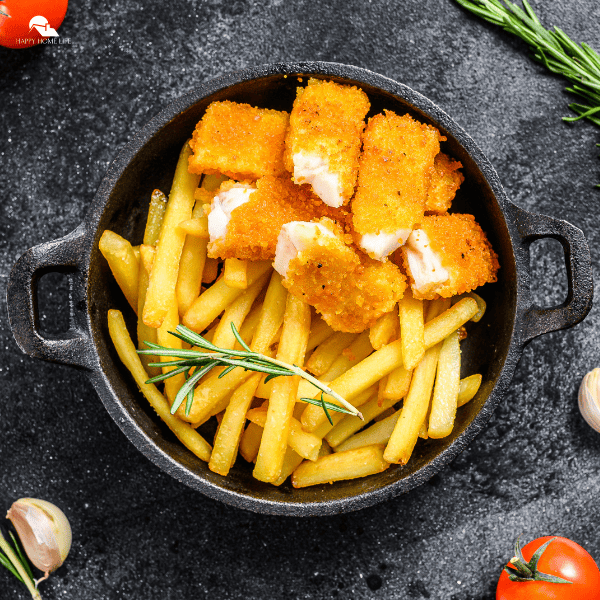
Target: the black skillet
pixel 493 347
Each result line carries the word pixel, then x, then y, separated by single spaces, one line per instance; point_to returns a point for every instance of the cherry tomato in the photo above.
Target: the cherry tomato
pixel 562 558
pixel 25 23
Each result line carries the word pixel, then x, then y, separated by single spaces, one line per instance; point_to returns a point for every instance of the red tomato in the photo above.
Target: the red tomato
pixel 25 23
pixel 562 558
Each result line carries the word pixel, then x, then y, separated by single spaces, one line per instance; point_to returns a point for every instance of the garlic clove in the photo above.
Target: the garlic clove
pixel 589 398
pixel 44 531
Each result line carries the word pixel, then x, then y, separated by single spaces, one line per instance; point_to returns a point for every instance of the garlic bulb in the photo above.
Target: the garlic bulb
pixel 44 532
pixel 589 398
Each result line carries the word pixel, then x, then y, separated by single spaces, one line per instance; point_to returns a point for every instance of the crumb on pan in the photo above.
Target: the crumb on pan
pixel 395 171
pixel 324 138
pixel 239 141
pixel 463 250
pixel 445 181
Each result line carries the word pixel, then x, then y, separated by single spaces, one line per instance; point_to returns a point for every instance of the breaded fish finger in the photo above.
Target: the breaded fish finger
pixel 323 141
pixel 445 181
pixel 239 141
pixel 393 179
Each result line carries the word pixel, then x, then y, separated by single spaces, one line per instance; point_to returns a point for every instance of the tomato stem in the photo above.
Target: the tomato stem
pixel 520 570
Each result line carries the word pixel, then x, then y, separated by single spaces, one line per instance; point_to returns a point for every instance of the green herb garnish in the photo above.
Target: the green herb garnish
pixel 195 364
pixel 13 558
pixel 580 64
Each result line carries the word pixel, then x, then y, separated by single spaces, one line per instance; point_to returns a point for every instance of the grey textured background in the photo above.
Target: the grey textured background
pixel 65 111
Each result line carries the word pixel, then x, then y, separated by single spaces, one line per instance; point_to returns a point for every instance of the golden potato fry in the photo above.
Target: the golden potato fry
pixel 156 214
pixel 385 329
pixel 213 182
pixel 235 273
pixel 358 350
pixel 440 327
pixel 211 303
pixel 195 227
pixel 232 426
pixel 412 326
pixel 379 433
pixel 291 461
pixel 163 279
pixel 292 347
pixel 188 436
pixel 445 391
pixel 319 332
pixel 397 384
pixel 480 303
pixel 123 263
pixel 340 465
pixel 350 424
pixel 250 442
pixel 145 333
pixel 469 386
pixel 414 411
pixel 326 353
pixel 164 338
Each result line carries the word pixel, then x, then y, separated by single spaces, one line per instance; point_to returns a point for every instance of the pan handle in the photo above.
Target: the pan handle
pixel 535 320
pixel 62 255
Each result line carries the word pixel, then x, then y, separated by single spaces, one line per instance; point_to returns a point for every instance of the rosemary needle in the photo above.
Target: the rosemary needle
pixel 194 364
pixel 580 64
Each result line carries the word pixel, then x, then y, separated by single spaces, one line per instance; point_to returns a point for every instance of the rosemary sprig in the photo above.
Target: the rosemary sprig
pixel 13 559
pixel 196 363
pixel 580 64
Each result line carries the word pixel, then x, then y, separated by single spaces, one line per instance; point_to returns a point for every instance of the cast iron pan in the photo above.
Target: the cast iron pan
pixel 493 346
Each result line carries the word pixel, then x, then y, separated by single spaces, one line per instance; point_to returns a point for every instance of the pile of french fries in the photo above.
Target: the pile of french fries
pixel 403 373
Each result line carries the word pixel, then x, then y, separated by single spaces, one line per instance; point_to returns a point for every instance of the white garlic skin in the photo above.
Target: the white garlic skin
pixel 589 398
pixel 44 531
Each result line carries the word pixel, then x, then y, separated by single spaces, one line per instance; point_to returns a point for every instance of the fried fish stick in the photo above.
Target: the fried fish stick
pixel 323 141
pixel 239 141
pixel 394 176
pixel 448 255
pixel 163 279
pixel 349 290
pixel 188 436
pixel 445 181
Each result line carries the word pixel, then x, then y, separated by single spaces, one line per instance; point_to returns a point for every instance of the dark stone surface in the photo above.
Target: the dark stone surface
pixel 67 110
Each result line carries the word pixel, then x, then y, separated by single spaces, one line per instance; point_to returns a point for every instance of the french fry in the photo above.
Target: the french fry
pixel 341 465
pixel 188 436
pixel 350 424
pixel 480 303
pixel 319 332
pixel 232 426
pixel 211 270
pixel 211 303
pixel 414 411
pixel 212 182
pixel 164 338
pixel 211 396
pixel 306 444
pixel 469 386
pixel 397 384
pixel 385 330
pixel 291 461
pixel 451 319
pixel 379 433
pixel 195 227
pixel 411 330
pixel 163 279
pixel 123 263
pixel 326 353
pixel 156 214
pixel 145 333
pixel 292 347
pixel 250 442
pixel 235 273
pixel 445 391
pixel 236 313
pixel 191 264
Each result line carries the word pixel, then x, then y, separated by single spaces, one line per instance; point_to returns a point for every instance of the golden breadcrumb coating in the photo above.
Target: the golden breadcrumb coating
pixel 328 120
pixel 254 226
pixel 349 289
pixel 394 174
pixel 445 181
pixel 239 141
pixel 465 253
